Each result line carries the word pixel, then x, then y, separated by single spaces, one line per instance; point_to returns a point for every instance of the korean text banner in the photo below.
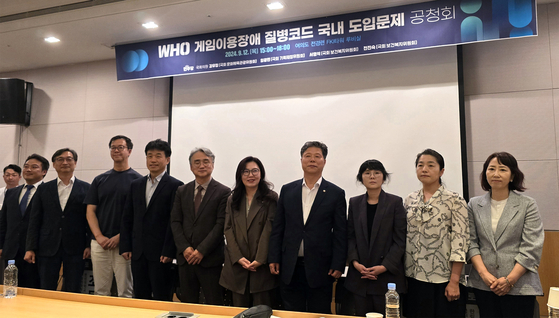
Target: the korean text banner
pixel 416 26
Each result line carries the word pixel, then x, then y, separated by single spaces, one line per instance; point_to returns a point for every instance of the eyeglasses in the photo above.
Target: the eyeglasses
pixel 119 148
pixel 199 163
pixel 254 172
pixel 61 160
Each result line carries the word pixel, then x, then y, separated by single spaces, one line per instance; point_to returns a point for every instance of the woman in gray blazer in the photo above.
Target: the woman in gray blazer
pixel 506 241
pixel 376 232
pixel 248 224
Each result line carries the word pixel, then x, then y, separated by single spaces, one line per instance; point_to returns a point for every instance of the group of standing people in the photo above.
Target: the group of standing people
pixel 133 226
pixel 424 243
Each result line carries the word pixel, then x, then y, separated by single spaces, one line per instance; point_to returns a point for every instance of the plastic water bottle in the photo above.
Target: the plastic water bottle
pixel 10 280
pixel 392 302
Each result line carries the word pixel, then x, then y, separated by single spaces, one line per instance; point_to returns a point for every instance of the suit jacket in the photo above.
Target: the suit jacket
pixel 147 229
pixel 384 245
pixel 324 233
pixel 249 237
pixel 203 231
pixel 50 227
pixel 13 226
pixel 518 239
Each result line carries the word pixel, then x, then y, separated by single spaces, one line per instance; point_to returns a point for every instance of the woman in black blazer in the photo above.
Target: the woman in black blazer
pixel 376 241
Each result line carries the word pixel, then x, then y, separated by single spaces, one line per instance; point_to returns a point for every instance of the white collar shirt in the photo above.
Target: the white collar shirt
pixel 2 193
pixel 31 193
pixel 151 185
pixel 64 191
pixel 308 196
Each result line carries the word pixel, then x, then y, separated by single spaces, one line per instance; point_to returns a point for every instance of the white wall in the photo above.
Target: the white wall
pixel 512 104
pixel 82 106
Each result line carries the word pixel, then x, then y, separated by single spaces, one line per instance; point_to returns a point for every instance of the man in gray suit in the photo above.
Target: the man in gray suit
pixel 197 221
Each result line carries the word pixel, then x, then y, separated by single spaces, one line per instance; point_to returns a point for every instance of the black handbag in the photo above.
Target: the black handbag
pixel 260 311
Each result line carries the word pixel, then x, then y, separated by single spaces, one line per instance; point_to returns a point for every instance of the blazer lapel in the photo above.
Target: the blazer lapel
pixel 53 190
pixel 377 221
pixel 241 217
pixel 298 199
pixel 509 212
pixel 362 215
pixel 160 186
pixel 207 196
pixel 320 195
pixel 254 208
pixel 21 188
pixel 485 217
pixel 190 199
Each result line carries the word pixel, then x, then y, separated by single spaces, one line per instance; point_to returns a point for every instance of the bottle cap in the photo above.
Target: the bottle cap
pixel 391 286
pixel 11 262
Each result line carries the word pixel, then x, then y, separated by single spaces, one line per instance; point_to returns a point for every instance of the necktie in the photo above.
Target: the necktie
pixel 23 203
pixel 198 199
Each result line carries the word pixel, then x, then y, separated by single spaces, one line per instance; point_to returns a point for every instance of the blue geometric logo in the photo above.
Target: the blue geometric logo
pixel 135 61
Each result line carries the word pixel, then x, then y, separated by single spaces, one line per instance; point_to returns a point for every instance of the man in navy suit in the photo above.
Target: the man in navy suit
pixel 145 230
pixel 308 244
pixel 58 229
pixel 14 220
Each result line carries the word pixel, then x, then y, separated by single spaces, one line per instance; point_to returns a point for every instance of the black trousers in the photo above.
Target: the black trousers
pixel 192 277
pixel 428 300
pixel 369 303
pixel 152 279
pixel 508 306
pixel 49 271
pixel 298 296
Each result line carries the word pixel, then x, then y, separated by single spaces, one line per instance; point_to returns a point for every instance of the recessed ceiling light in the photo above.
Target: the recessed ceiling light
pixel 275 5
pixel 150 25
pixel 52 39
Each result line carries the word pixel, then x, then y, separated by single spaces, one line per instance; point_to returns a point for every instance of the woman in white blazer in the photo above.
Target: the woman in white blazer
pixel 506 241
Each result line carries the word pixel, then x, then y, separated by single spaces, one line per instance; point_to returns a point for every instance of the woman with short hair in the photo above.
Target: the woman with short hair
pixel 376 241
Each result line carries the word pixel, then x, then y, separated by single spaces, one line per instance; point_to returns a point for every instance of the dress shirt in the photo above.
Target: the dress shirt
pixel 64 191
pixel 204 186
pixel 308 197
pixel 31 193
pixel 2 193
pixel 151 185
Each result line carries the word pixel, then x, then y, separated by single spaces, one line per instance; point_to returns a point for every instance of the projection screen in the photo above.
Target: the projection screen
pixel 387 107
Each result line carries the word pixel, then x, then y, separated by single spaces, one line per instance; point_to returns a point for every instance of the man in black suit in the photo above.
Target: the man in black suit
pixel 58 230
pixel 145 231
pixel 308 244
pixel 14 220
pixel 197 221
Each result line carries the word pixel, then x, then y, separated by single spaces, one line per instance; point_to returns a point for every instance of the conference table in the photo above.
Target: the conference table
pixel 36 303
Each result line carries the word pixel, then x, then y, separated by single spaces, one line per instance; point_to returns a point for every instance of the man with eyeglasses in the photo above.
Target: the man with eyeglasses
pixel 105 202
pixel 58 229
pixel 14 220
pixel 197 221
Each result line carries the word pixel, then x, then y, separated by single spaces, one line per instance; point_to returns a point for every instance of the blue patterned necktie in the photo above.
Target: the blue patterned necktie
pixel 23 203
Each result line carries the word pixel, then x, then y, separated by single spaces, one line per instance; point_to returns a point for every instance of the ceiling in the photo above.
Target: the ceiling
pixel 88 29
